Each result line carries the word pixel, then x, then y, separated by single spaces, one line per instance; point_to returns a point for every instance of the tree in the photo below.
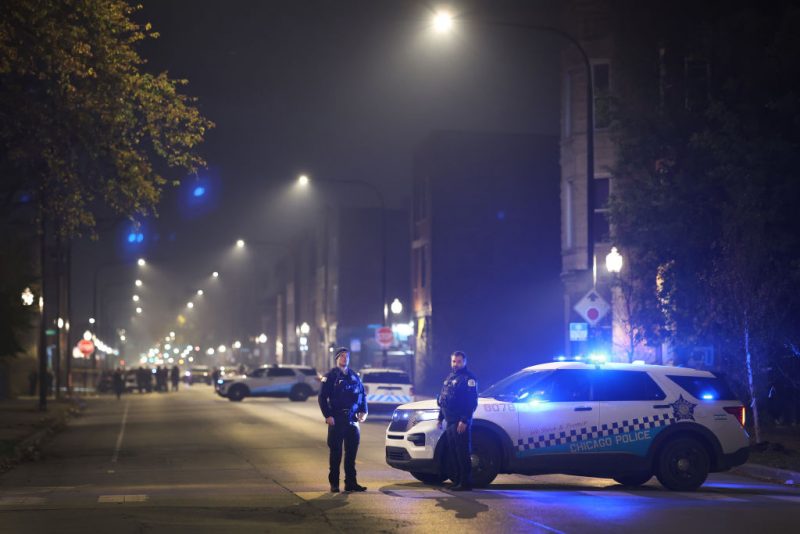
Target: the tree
pixel 707 178
pixel 83 123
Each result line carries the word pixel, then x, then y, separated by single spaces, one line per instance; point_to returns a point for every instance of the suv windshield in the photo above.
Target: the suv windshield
pixel 517 386
pixel 385 378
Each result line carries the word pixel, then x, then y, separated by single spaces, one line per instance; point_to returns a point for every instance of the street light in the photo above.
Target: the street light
pixel 240 243
pixel 138 283
pixel 136 298
pixel 138 311
pixel 190 305
pixel 140 262
pixel 614 261
pixel 199 292
pixel 303 181
pixel 442 22
pixel 27 297
pixel 215 274
pixel 397 307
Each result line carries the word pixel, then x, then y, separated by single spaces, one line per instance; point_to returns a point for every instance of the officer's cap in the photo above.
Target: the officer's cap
pixel 339 351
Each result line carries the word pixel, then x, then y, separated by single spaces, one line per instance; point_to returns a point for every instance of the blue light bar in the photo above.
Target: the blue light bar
pixel 199 191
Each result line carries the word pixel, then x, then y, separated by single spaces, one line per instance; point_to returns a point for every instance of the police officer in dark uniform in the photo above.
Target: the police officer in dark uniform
pixel 457 403
pixel 344 405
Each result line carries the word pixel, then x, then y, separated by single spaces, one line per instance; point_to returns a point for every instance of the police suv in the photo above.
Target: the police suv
pixel 622 421
pixel 386 389
pixel 298 382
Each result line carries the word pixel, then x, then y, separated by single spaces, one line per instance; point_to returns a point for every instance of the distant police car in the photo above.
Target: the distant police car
pixel 386 388
pixel 622 421
pixel 298 382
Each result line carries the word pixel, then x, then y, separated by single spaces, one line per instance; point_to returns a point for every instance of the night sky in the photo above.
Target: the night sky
pixel 343 89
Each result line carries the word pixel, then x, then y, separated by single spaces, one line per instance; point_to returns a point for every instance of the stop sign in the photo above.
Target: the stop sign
pixel 86 346
pixel 384 337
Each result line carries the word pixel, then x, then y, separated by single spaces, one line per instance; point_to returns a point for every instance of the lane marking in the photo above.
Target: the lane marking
pixel 11 501
pixel 115 457
pixel 121 499
pixel 785 498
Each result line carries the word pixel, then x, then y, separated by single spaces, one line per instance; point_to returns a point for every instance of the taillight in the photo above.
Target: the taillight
pixel 738 412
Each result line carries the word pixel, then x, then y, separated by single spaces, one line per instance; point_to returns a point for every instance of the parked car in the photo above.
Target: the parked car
pixel 199 374
pixel 298 382
pixel 622 421
pixel 386 389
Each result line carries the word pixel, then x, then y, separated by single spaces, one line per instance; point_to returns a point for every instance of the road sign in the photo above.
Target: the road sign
pixel 384 337
pixel 86 346
pixel 592 307
pixel 578 331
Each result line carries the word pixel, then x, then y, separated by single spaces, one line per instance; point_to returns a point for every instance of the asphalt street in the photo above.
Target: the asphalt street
pixel 193 462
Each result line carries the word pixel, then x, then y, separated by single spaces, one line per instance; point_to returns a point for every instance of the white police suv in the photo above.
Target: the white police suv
pixel 298 382
pixel 622 421
pixel 386 389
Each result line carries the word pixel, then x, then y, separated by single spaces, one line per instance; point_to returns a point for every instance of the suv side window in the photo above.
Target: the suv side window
pixel 279 371
pixel 610 385
pixel 258 373
pixel 570 385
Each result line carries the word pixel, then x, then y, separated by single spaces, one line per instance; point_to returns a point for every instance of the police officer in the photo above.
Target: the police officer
pixel 457 403
pixel 344 405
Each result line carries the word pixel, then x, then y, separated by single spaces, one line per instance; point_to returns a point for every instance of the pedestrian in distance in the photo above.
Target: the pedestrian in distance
pixel 344 405
pixel 175 376
pixel 117 383
pixel 457 403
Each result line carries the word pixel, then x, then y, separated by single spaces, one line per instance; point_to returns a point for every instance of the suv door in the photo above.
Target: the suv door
pixel 632 409
pixel 559 418
pixel 280 380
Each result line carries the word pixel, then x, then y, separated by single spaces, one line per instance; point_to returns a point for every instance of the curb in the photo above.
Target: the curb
pixel 765 472
pixel 29 448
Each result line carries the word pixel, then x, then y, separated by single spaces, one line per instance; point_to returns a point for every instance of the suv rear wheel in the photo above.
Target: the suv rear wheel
pixel 237 393
pixel 682 464
pixel 300 393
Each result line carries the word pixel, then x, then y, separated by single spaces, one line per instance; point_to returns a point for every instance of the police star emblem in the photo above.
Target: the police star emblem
pixel 683 409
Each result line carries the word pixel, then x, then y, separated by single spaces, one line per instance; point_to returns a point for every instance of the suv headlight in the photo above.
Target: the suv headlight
pixel 422 415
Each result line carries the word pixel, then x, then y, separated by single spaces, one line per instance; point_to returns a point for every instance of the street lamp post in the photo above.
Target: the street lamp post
pixel 304 180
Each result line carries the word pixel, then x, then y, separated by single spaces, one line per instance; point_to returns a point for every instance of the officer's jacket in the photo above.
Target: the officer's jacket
pixel 341 391
pixel 459 397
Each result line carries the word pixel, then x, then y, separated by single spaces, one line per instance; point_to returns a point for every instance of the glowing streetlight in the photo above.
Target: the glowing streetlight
pixel 87 335
pixel 222 348
pixel 139 311
pixel 442 22
pixel 190 305
pixel 397 307
pixel 199 292
pixel 136 298
pixel 305 329
pixel 140 262
pixel 122 337
pixel 91 320
pixel 614 261
pixel 262 338
pixel 237 344
pixel 215 274
pixel 60 323
pixel 210 351
pixel 27 297
pixel 240 243
pixel 138 283
pixel 302 180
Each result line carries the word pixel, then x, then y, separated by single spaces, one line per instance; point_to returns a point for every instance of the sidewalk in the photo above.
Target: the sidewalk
pixel 23 428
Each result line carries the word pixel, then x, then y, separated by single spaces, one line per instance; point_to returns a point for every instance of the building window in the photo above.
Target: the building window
pixel 601 227
pixel 601 85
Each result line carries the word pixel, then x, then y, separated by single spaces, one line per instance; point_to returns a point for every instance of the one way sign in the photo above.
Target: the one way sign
pixel 592 307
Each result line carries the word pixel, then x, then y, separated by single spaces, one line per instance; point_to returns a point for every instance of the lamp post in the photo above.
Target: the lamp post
pixel 140 262
pixel 303 181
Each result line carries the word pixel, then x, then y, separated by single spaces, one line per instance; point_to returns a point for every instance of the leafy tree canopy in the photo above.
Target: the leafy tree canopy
pixel 82 122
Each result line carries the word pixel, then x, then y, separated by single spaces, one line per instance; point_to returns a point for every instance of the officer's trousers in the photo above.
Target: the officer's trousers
pixel 459 447
pixel 347 431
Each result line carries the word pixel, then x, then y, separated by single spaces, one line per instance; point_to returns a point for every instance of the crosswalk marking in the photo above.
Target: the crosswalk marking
pixel 119 499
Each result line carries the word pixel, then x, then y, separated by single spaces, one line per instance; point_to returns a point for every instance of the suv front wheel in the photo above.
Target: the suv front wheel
pixel 300 393
pixel 237 393
pixel 682 464
pixel 485 459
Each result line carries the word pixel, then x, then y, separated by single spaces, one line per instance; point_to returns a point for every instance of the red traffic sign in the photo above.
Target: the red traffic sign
pixel 86 346
pixel 384 336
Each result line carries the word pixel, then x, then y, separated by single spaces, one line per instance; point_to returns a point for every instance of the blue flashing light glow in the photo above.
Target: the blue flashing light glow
pixel 597 357
pixel 131 237
pixel 199 191
pixel 707 396
pixel 501 215
pixel 139 238
pixel 561 358
pixel 578 358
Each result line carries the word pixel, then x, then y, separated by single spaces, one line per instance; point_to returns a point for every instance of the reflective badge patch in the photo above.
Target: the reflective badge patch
pixel 471 383
pixel 683 409
pixel 324 379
